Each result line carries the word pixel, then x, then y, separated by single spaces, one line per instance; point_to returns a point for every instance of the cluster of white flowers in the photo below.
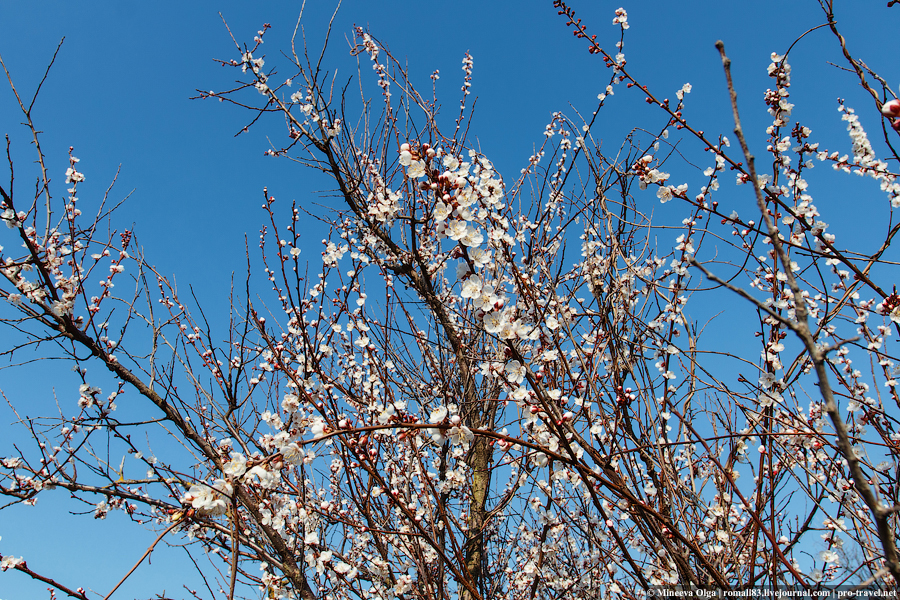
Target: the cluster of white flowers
pixel 458 434
pixel 255 66
pixel 467 65
pixel 863 154
pixel 267 479
pixel 10 562
pixel 777 99
pixel 865 162
pixel 371 48
pixel 57 250
pixel 468 196
pixel 333 253
pixel 73 176
pixel 12 219
pixel 384 204
pixel 87 395
pixel 415 165
pixel 648 176
pixel 211 500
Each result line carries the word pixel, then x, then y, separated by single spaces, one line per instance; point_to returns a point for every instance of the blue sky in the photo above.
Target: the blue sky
pixel 119 93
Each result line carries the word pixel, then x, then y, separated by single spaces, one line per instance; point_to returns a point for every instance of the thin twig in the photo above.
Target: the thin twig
pixel 141 559
pixel 235 547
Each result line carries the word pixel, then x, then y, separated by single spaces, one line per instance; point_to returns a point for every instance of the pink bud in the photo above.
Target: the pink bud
pixel 891 109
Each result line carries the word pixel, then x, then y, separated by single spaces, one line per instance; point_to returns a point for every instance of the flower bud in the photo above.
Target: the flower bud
pixel 891 109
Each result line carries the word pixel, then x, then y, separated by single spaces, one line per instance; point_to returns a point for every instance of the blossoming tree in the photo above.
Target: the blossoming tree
pixel 490 386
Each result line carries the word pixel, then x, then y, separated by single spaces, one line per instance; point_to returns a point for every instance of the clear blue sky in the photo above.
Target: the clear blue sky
pixel 119 93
